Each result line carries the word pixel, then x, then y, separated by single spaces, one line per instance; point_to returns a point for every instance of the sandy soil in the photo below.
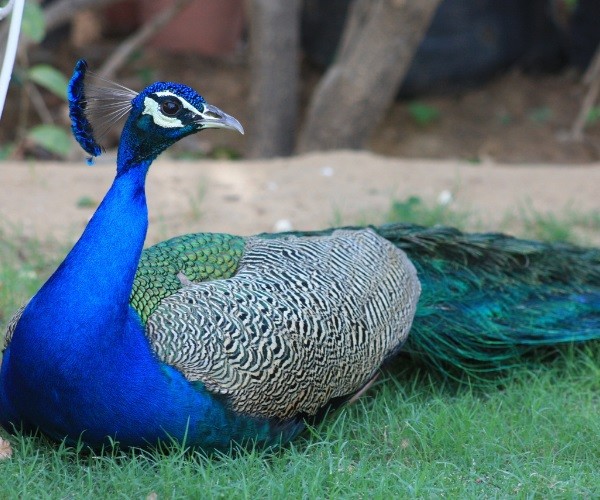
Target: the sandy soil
pixel 308 192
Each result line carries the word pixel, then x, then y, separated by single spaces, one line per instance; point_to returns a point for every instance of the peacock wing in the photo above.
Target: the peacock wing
pixel 302 321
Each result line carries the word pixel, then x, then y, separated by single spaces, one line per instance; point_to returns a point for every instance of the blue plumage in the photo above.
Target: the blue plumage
pixel 214 339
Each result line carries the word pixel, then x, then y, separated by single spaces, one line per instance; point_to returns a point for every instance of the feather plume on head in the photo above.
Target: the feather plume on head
pixel 95 107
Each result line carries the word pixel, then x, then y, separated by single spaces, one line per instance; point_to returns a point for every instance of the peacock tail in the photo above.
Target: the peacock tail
pixel 489 299
pixel 214 339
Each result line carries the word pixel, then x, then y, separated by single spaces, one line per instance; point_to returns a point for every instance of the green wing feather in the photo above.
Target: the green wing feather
pixel 198 257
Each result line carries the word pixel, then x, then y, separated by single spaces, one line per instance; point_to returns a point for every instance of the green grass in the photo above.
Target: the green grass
pixel 413 435
pixel 414 210
pixel 570 226
pixel 24 264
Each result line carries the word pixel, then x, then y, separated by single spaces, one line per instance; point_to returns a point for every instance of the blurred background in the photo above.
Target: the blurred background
pixel 512 81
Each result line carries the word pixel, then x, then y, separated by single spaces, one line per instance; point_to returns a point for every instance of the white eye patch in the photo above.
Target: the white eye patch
pixel 151 107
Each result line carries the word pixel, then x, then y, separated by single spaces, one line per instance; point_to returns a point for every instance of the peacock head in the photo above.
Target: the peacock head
pixel 159 116
pixel 163 113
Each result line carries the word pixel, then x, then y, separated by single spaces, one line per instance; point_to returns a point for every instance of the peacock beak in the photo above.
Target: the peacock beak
pixel 213 117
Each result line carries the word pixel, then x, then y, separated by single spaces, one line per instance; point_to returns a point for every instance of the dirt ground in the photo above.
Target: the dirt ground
pixel 55 200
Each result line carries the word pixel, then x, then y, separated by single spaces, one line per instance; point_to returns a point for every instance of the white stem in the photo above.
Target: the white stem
pixel 11 49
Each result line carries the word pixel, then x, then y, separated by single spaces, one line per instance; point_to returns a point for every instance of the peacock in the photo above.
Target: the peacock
pixel 215 340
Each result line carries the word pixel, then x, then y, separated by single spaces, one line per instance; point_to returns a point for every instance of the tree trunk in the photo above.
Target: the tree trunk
pixel 378 44
pixel 274 39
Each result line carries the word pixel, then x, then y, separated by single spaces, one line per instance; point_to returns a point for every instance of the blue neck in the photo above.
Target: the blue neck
pixel 93 284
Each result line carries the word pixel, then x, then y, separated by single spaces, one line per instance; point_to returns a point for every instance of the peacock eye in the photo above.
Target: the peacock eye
pixel 170 107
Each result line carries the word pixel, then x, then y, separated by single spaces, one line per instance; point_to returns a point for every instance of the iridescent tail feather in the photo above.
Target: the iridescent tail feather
pixel 489 299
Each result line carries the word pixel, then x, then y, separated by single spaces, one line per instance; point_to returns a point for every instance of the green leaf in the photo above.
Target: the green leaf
pixel 593 116
pixel 542 114
pixel 34 23
pixel 52 138
pixel 7 150
pixel 423 114
pixel 50 78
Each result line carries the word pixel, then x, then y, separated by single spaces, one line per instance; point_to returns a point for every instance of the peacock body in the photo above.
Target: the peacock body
pixel 213 339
